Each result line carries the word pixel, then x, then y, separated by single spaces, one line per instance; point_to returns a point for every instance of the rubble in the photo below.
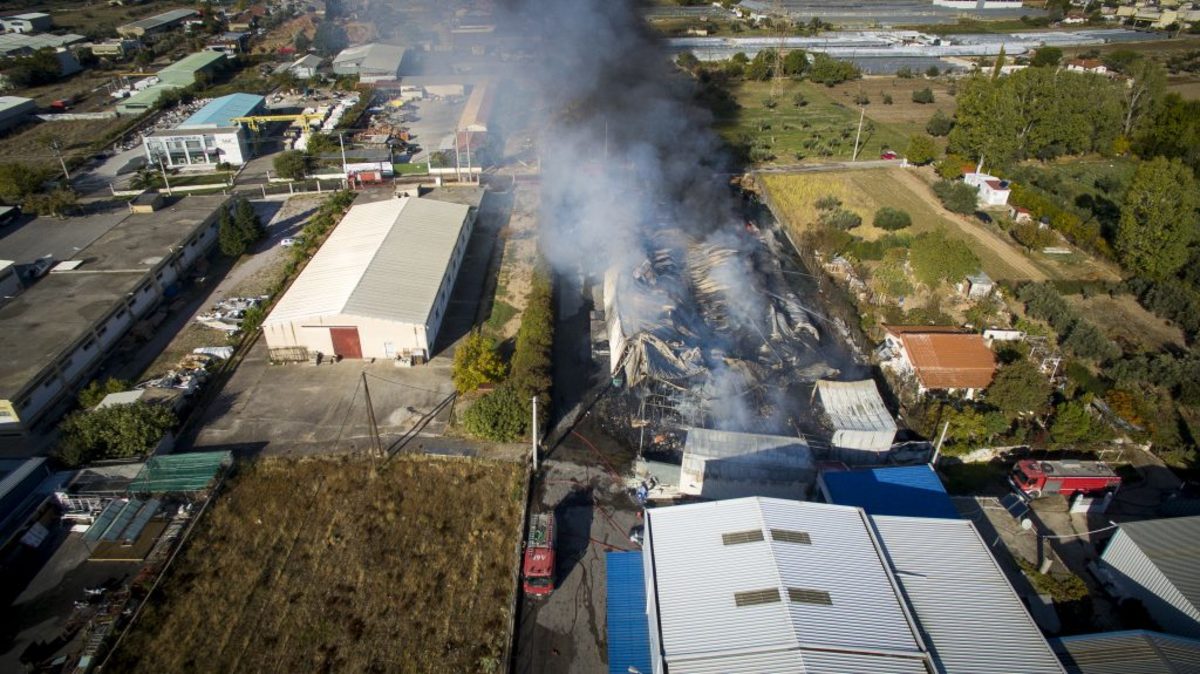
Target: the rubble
pixel 227 315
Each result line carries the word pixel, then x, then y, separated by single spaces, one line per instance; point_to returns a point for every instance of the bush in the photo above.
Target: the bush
pixel 114 432
pixel 292 164
pixel 96 390
pixel 956 196
pixel 923 96
pixel 939 125
pixel 476 363
pixel 921 149
pixel 840 219
pixel 891 219
pixel 499 416
pixel 935 257
pixel 1033 236
pixel 828 203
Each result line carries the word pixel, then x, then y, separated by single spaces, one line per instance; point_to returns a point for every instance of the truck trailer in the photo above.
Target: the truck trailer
pixel 1042 478
pixel 537 567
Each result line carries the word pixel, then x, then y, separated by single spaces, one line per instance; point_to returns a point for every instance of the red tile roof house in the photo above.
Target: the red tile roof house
pixel 939 358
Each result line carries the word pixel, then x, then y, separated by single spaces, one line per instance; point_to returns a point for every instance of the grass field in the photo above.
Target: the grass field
pixel 30 144
pixel 1124 321
pixel 324 565
pixel 1188 87
pixel 825 127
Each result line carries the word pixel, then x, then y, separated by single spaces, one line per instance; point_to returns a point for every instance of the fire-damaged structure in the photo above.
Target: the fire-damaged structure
pixel 708 325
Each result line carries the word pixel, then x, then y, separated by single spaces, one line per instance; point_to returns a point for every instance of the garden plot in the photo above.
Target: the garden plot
pixel 342 565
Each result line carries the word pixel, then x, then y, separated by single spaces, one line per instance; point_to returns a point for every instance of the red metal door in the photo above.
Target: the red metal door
pixel 345 342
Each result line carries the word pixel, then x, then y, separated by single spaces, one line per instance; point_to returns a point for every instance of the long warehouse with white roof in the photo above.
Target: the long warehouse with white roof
pixel 378 287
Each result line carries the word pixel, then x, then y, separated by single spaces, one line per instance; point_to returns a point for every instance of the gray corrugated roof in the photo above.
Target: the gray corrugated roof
pixel 696 576
pixel 384 260
pixel 1173 545
pixel 160 19
pixel 1129 652
pixel 975 622
pixel 855 406
pixel 712 444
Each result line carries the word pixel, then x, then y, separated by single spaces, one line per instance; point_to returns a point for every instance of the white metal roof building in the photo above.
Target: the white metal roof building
pixel 1139 651
pixel 1158 563
pixel 863 429
pixel 379 286
pixel 760 585
pixel 725 464
pixel 372 62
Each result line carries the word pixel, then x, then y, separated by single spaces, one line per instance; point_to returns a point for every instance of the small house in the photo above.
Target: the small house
pixel 991 190
pixel 1020 215
pixel 1094 66
pixel 977 286
pixel 939 358
pixel 28 24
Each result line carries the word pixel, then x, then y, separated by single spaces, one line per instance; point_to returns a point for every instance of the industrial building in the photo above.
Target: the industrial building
pixel 28 23
pixel 725 464
pixel 760 585
pixel 378 287
pixel 906 491
pixel 151 27
pixel 14 110
pixel 477 111
pixel 58 331
pixel 182 73
pixel 303 68
pixel 373 62
pixel 863 429
pixel 209 136
pixel 19 44
pixel 1157 562
pixel 1140 651
pixel 939 358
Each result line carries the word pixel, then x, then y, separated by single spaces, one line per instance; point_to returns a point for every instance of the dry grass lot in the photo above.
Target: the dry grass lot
pixel 903 116
pixel 30 144
pixel 1123 320
pixel 325 565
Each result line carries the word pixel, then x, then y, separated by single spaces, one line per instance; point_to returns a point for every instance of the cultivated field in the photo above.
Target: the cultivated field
pixel 824 128
pixel 866 191
pixel 327 565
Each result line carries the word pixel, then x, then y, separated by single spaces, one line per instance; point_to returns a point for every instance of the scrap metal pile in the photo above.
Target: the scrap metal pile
pixel 704 327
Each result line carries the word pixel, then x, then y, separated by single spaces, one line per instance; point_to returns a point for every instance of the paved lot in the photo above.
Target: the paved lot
pixel 431 124
pixel 566 632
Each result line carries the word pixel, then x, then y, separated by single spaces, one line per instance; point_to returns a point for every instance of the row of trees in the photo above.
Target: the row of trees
pixel 238 229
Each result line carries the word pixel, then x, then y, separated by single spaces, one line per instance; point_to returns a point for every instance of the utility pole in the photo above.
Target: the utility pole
pixel 533 433
pixel 470 176
pixel 937 450
pixel 56 146
pixel 376 443
pixel 342 143
pixel 163 168
pixel 457 159
pixel 861 115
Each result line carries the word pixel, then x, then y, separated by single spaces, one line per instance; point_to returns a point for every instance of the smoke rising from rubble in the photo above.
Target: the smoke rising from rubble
pixel 631 193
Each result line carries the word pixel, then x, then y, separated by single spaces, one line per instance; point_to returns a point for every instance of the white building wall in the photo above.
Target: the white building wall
pixel 656 657
pixel 1137 577
pixel 378 338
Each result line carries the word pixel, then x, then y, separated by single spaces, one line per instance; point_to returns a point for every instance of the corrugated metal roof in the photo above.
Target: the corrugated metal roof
pixel 384 260
pixel 191 471
pixel 8 102
pixel 371 58
pixel 975 622
pixel 1129 652
pixel 802 661
pixel 855 406
pixel 219 111
pixel 625 608
pixel 950 361
pixel 1173 546
pixel 17 475
pixel 712 444
pixel 697 575
pixel 910 491
pixel 160 19
pixel 193 63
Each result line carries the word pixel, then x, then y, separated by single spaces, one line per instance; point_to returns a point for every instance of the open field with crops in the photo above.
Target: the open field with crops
pixel 824 125
pixel 324 565
pixel 866 191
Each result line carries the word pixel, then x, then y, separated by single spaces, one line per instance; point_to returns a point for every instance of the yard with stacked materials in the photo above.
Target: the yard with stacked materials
pixel 341 565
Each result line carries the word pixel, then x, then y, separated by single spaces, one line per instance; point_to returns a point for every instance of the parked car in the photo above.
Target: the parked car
pixel 288 242
pixel 889 154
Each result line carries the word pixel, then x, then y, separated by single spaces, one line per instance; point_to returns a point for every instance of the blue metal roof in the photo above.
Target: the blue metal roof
pixel 628 631
pixel 909 491
pixel 219 111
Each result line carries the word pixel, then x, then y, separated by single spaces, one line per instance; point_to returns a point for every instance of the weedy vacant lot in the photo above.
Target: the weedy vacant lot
pixel 329 565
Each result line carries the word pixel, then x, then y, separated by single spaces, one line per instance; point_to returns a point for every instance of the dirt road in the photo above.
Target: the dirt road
pixel 1023 268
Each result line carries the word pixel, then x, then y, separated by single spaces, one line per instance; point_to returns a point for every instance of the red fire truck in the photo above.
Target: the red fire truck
pixel 537 568
pixel 1041 478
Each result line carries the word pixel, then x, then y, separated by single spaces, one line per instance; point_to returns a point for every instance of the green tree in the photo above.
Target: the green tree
pixel 935 257
pixel 890 278
pixel 291 164
pixel 1158 218
pixel 932 71
pixel 687 61
pixel 956 196
pixel 40 67
pixel 921 149
pixel 1074 424
pixel 795 62
pixel 998 69
pixel 829 71
pixel 1172 130
pixel 799 100
pixel 94 392
pixel 1046 57
pixel 892 219
pixel 115 432
pixel 762 67
pixel 939 124
pixel 476 363
pixel 499 416
pixel 1146 85
pixel 229 238
pixel 923 96
pixel 247 222
pixel 1019 388
pixel 18 181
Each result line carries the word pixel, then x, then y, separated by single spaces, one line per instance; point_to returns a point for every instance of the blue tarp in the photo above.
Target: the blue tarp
pixel 910 491
pixel 628 631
